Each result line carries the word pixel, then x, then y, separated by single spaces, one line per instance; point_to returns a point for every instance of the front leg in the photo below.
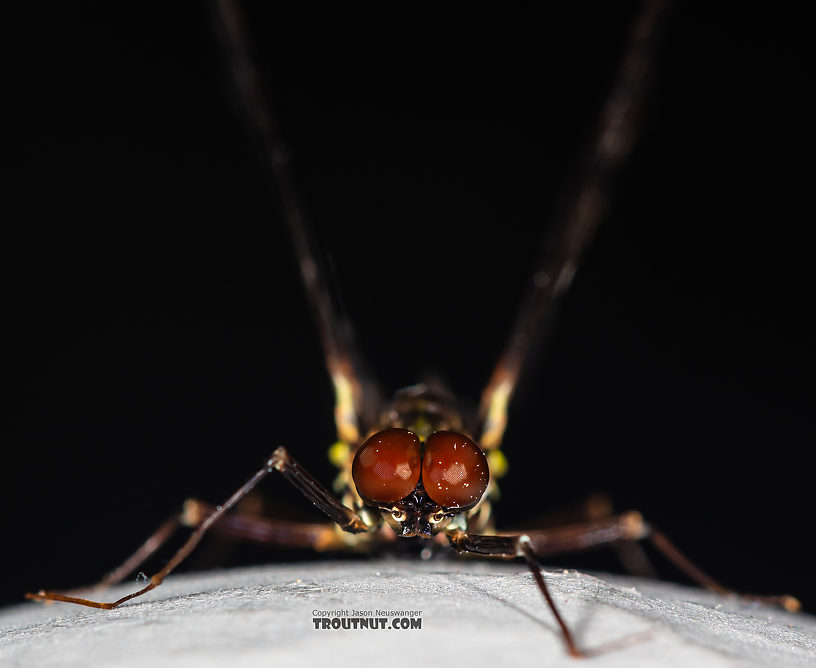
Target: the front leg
pixel 316 492
pixel 508 547
pixel 619 529
pixel 280 461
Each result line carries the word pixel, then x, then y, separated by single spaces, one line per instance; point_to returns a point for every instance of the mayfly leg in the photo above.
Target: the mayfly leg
pixel 356 397
pixel 237 525
pixel 624 528
pixel 578 217
pixel 280 461
pixel 510 547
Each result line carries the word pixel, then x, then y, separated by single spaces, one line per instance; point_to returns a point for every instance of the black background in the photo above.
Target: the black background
pixel 161 345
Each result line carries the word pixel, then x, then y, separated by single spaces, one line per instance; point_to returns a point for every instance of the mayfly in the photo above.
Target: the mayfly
pixel 417 466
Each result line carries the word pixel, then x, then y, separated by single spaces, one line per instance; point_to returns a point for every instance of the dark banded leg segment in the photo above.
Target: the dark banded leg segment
pixel 630 527
pixel 146 550
pixel 508 547
pixel 280 461
pixel 318 536
pixel 244 527
pixel 681 561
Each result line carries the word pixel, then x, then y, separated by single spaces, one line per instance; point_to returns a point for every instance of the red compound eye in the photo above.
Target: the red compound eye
pixel 454 470
pixel 386 468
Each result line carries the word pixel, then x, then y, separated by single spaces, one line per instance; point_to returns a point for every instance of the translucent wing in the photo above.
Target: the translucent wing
pixel 580 213
pixel 356 399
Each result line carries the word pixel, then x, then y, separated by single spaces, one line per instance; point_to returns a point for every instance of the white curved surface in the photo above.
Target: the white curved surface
pixel 473 614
